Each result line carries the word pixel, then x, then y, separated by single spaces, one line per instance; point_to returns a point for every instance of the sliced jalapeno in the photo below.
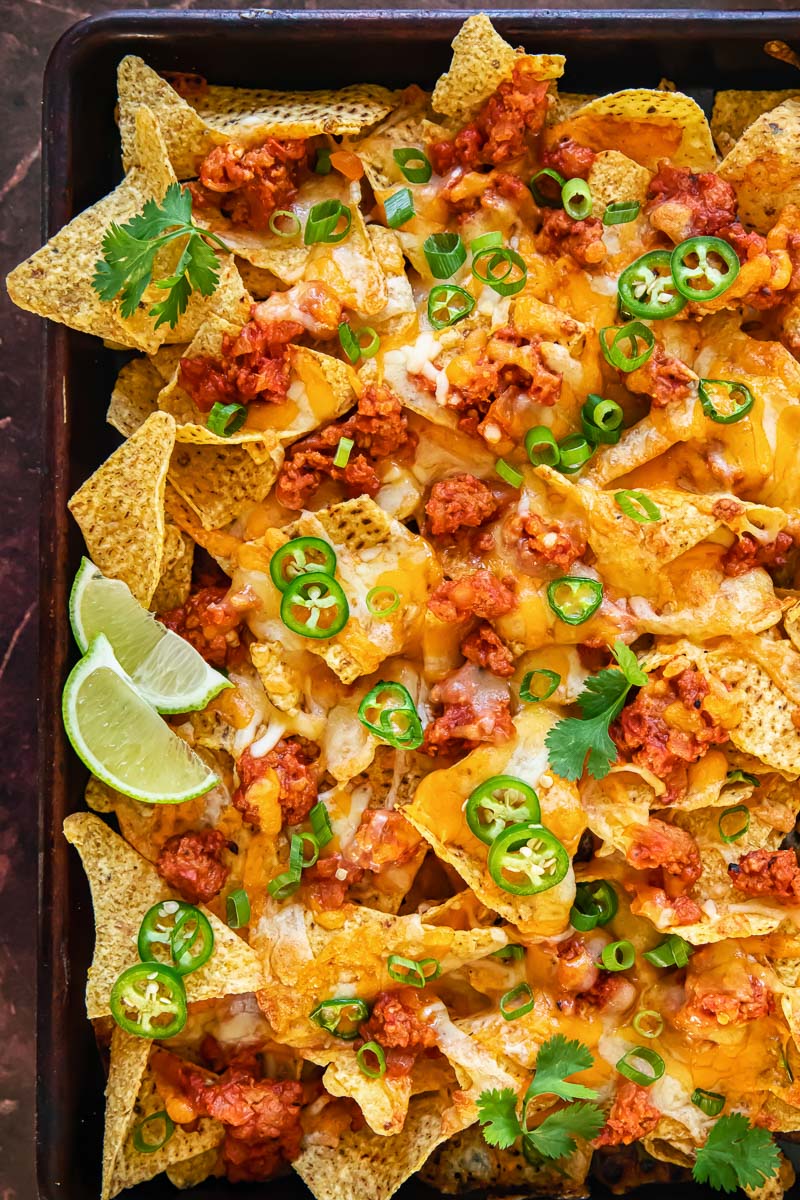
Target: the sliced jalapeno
pixel 731 406
pixel 389 712
pixel 526 859
pixel 341 1018
pixel 149 1000
pixel 704 267
pixel 646 288
pixel 299 557
pixel 499 802
pixel 180 930
pixel 574 599
pixel 315 606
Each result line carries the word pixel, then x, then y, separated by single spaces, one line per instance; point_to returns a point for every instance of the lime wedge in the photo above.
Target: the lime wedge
pixel 167 671
pixel 122 740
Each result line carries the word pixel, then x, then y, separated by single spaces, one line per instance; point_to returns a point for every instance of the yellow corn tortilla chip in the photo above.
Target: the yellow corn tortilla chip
pixel 244 115
pixel 120 508
pixel 193 1171
pixel 131 1099
pixel 366 1166
pixel 482 59
pixel 321 390
pixel 400 313
pixel 437 813
pixel 466 1164
pixel 646 125
pixel 124 886
pixel 56 282
pixel 764 166
pixel 735 111
pixel 175 583
pixel 405 126
pixel 218 481
pixel 133 399
pixel 614 176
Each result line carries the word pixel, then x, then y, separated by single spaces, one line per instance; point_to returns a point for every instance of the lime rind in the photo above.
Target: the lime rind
pixel 167 671
pixel 122 739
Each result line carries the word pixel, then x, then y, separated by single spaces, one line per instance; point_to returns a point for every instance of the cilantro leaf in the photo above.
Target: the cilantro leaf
pixel 736 1155
pixel 129 257
pixel 497 1111
pixel 557 1059
pixel 572 739
pixel 555 1137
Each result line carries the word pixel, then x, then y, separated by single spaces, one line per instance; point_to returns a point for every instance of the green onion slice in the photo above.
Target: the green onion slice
pixel 320 824
pixel 620 212
pixel 286 884
pixel 341 1018
pixel 574 451
pixel 372 345
pixel 382 600
pixel 237 908
pixel 511 952
pixel 604 414
pixel 595 905
pixel 517 1002
pixel 342 456
pixel 414 164
pixel 731 406
pixel 641 1054
pixel 226 419
pixel 510 474
pixel 546 178
pixel 633 333
pixel 638 506
pixel 324 220
pixel 618 956
pixel 349 342
pixel 278 221
pixel 672 952
pixel 399 208
pixel 738 776
pixel 711 1103
pixel 541 447
pixel 389 712
pixel 487 263
pixel 445 253
pixel 648 1023
pixel 539 685
pixel 371 1049
pixel 411 972
pixel 448 304
pixel 485 241
pixel 576 198
pixel 153 1132
pixel 734 823
pixel 323 164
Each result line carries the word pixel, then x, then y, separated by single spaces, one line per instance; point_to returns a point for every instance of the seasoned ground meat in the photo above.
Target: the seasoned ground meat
pixel 486 649
pixel 378 428
pixel 582 240
pixel 192 864
pixel 654 733
pixel 512 114
pixel 254 365
pixel 746 553
pixel 476 709
pixel 383 839
pixel 297 778
pixel 673 850
pixel 663 378
pixel 210 621
pixel 480 594
pixel 683 204
pixel 767 873
pixel 509 375
pixel 396 1025
pixel 543 544
pixel 461 500
pixel 247 185
pixel 750 1002
pixel 632 1116
pixel 467 193
pixel 569 158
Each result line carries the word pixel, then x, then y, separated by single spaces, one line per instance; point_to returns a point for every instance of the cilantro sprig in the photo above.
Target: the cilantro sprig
pixel 555 1136
pixel 601 701
pixel 736 1155
pixel 129 256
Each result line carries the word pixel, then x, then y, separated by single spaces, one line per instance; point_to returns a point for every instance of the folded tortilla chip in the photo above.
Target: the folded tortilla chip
pixel 120 508
pixel 124 886
pixel 482 60
pixel 131 1097
pixel 219 481
pixel 217 115
pixel 56 282
pixel 613 176
pixel 175 583
pixel 764 166
pixel 734 111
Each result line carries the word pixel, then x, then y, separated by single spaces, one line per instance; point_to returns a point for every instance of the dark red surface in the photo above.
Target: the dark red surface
pixel 28 31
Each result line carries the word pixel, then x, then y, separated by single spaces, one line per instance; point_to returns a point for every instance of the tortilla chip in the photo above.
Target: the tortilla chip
pixel 614 176
pixel 132 1097
pixel 282 683
pixel 481 61
pixel 218 481
pixel 735 111
pixel 124 886
pixel 646 125
pixel 193 1170
pixel 437 812
pixel 120 508
pixel 244 115
pixel 407 125
pixel 466 1164
pixel 321 390
pixel 764 166
pixel 175 583
pixel 365 1166
pixel 134 397
pixel 400 313
pixel 56 282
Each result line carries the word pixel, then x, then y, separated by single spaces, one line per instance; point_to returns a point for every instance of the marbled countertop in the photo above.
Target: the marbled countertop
pixel 29 30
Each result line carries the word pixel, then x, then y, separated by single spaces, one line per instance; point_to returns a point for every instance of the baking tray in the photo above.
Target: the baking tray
pixel 700 53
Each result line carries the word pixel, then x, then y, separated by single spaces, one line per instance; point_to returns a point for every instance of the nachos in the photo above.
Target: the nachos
pixel 440 632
